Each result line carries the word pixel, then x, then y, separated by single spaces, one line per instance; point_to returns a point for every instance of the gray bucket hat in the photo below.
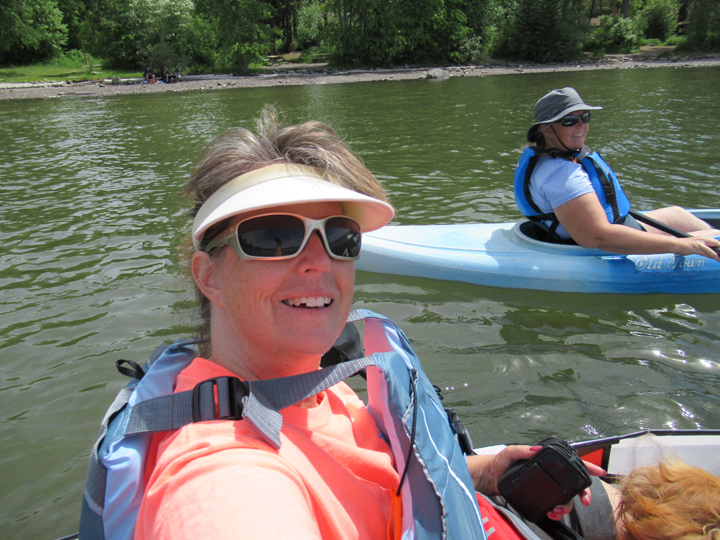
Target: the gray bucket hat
pixel 554 105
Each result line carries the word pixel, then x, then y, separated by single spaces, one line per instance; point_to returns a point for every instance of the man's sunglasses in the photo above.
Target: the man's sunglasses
pixel 573 119
pixel 283 236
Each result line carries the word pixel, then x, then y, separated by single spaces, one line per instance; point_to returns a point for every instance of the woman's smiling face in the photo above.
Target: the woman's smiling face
pixel 566 137
pixel 278 316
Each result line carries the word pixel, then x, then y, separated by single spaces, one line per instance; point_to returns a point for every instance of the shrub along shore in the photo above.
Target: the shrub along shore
pixel 294 75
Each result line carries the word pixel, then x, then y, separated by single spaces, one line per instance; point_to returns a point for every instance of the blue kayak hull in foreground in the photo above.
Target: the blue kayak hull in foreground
pixel 503 255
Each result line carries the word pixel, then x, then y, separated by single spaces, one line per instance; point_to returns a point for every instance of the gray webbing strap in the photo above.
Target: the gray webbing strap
pixel 95 479
pixel 260 403
pixel 163 413
pixel 584 152
pixel 607 184
pixel 360 314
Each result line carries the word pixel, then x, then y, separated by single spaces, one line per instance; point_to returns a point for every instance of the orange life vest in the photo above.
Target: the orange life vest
pixel 495 524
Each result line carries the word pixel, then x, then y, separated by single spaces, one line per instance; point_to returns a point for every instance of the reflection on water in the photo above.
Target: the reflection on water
pixel 91 220
pixel 519 365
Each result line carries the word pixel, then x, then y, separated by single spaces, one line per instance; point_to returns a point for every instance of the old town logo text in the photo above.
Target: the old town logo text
pixel 667 263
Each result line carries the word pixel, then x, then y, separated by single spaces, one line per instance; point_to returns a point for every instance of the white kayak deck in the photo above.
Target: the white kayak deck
pixel 506 255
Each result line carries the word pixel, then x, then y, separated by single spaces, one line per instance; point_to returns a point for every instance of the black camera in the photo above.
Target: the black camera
pixel 550 478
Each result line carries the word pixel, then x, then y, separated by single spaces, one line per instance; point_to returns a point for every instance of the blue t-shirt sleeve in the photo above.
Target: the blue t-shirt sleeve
pixel 557 181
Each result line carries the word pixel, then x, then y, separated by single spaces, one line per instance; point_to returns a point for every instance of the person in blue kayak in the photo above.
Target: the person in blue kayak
pixel 278 222
pixel 572 193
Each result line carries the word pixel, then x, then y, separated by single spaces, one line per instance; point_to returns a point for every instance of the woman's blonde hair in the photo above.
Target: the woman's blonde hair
pixel 670 501
pixel 239 151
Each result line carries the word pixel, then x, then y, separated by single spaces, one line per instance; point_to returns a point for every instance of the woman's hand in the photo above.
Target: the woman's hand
pixel 698 245
pixel 486 470
pixel 585 221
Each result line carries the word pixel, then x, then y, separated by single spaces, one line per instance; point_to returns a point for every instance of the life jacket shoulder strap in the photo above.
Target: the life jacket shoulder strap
pixel 588 158
pixel 541 218
pixel 258 401
pixel 176 357
pixel 532 163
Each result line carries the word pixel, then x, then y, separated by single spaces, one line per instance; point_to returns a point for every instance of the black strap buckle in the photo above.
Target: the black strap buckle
pixel 461 431
pixel 230 391
pixel 135 371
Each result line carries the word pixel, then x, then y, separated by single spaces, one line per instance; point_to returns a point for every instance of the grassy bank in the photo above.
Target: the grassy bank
pixel 61 70
pixel 38 73
pixel 76 66
pixel 73 66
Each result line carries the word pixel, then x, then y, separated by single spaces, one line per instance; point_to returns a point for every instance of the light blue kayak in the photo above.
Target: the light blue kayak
pixel 506 255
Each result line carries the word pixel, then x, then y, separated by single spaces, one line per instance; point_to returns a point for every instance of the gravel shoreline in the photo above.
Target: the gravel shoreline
pixel 294 75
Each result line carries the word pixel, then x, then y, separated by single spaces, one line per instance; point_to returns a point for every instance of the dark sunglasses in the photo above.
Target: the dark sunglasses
pixel 283 236
pixel 573 119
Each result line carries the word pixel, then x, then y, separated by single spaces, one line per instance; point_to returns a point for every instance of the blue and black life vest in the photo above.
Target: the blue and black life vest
pixel 437 492
pixel 603 180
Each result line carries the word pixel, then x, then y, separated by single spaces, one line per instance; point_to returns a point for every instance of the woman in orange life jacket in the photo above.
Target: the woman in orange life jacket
pixel 278 219
pixel 560 186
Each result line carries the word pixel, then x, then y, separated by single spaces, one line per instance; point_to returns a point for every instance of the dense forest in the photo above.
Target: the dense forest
pixel 202 35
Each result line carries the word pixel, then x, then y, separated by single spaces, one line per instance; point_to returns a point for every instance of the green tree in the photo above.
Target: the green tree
pixel 199 43
pixel 487 20
pixel 537 31
pixel 384 32
pixel 482 16
pixel 30 31
pixel 704 29
pixel 243 33
pixel 362 32
pixel 74 12
pixel 616 35
pixel 430 31
pixel 311 23
pixel 624 8
pixel 285 21
pixel 113 31
pixel 660 18
pixel 135 33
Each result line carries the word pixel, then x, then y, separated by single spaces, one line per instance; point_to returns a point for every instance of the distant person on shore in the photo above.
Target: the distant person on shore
pixel 166 74
pixel 670 501
pixel 149 75
pixel 573 194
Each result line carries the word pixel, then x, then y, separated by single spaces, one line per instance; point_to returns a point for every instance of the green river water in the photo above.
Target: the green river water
pixel 90 221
